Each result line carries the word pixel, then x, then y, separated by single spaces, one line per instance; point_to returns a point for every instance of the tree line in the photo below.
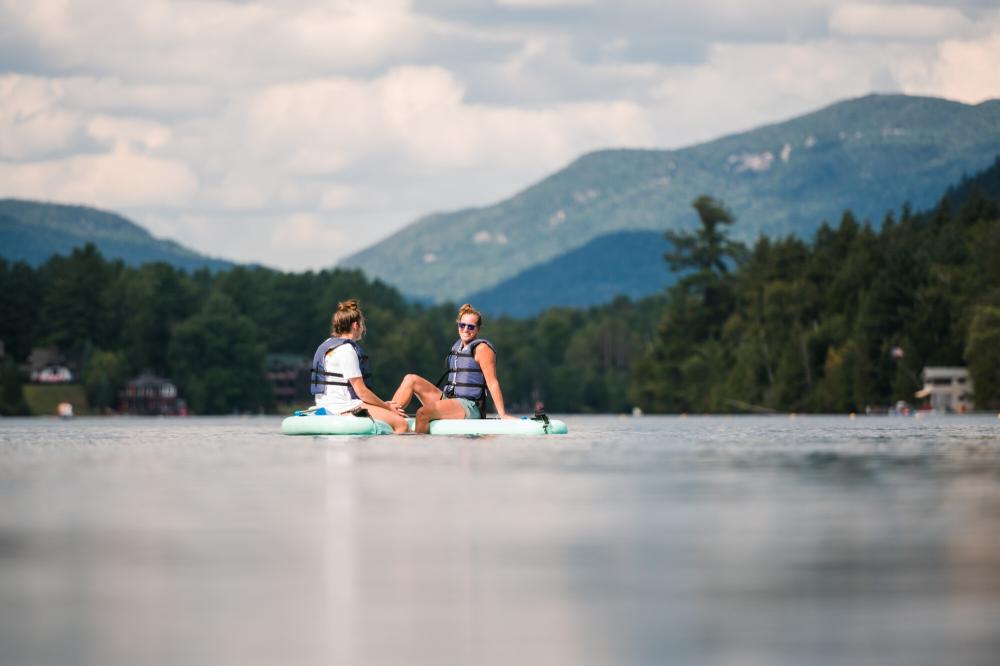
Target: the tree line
pixel 836 324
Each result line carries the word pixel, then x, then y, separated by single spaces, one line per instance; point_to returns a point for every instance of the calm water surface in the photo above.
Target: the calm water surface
pixel 756 540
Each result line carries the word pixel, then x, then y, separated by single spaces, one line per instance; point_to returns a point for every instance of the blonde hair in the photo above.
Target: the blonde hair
pixel 468 309
pixel 346 315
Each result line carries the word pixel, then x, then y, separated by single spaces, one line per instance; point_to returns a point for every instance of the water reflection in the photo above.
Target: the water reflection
pixel 728 540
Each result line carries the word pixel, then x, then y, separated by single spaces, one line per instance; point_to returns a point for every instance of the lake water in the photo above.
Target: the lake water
pixel 654 540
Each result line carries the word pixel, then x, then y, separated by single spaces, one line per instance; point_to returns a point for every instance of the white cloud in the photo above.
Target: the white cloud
pixel 337 196
pixel 415 118
pixel 239 190
pixel 113 95
pixel 129 132
pixel 544 4
pixel 961 69
pixel 224 42
pixel 31 125
pixel 304 233
pixel 242 237
pixel 743 85
pixel 120 179
pixel 882 21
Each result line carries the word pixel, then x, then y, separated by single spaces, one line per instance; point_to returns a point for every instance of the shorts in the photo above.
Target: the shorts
pixel 471 408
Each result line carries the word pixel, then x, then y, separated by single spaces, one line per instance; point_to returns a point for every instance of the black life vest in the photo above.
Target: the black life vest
pixel 320 378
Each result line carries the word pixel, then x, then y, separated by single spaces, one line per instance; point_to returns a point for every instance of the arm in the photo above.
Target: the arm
pixel 368 396
pixel 488 362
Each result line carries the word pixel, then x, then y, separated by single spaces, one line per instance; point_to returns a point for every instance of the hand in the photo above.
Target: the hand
pixel 508 416
pixel 394 406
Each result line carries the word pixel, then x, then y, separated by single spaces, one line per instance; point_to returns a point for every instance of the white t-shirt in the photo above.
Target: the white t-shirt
pixel 337 399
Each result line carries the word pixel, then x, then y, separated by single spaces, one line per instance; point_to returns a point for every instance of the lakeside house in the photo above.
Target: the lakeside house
pixel 52 374
pixel 148 394
pixel 47 365
pixel 947 389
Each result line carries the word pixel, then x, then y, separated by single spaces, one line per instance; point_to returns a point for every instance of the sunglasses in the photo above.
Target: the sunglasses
pixel 467 327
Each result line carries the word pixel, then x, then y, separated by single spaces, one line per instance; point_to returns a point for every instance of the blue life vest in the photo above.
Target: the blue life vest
pixel 465 376
pixel 320 378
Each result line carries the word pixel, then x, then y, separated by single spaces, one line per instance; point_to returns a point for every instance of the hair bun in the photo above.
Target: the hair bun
pixel 348 305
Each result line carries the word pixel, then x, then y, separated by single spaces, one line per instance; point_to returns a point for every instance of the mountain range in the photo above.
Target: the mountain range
pixel 868 155
pixel 594 229
pixel 33 231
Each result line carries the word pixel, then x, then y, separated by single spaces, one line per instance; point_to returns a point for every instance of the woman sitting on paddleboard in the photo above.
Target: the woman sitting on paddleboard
pixel 472 370
pixel 340 372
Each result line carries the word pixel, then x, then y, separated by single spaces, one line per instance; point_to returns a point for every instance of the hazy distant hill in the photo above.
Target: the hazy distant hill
pixel 626 263
pixel 34 231
pixel 869 155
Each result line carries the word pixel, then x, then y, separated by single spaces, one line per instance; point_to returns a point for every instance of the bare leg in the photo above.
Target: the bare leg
pixel 442 409
pixel 412 385
pixel 397 422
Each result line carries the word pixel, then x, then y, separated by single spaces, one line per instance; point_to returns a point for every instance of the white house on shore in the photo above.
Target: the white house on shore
pixel 947 389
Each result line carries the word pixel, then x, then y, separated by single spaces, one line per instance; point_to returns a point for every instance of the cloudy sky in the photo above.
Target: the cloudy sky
pixel 295 132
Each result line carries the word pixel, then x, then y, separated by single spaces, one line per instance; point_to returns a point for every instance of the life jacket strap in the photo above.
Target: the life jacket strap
pixel 323 373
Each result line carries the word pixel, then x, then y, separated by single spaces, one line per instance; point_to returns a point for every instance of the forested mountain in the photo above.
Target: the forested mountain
pixel 33 231
pixel 625 263
pixel 868 155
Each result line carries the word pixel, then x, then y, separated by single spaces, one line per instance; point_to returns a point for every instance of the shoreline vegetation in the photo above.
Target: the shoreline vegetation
pixel 837 324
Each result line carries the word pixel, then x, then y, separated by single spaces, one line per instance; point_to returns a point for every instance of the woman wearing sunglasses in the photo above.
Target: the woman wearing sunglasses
pixel 472 365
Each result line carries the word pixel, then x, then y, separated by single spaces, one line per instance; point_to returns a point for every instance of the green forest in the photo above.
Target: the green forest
pixel 787 324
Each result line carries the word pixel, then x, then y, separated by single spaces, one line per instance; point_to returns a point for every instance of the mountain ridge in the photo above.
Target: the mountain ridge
pixel 34 231
pixel 867 154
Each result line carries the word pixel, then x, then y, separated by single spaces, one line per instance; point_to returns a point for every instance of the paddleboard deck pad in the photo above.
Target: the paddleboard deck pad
pixel 328 424
pixel 523 426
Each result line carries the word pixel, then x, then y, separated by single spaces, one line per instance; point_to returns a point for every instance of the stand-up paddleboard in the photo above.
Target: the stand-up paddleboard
pixel 328 424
